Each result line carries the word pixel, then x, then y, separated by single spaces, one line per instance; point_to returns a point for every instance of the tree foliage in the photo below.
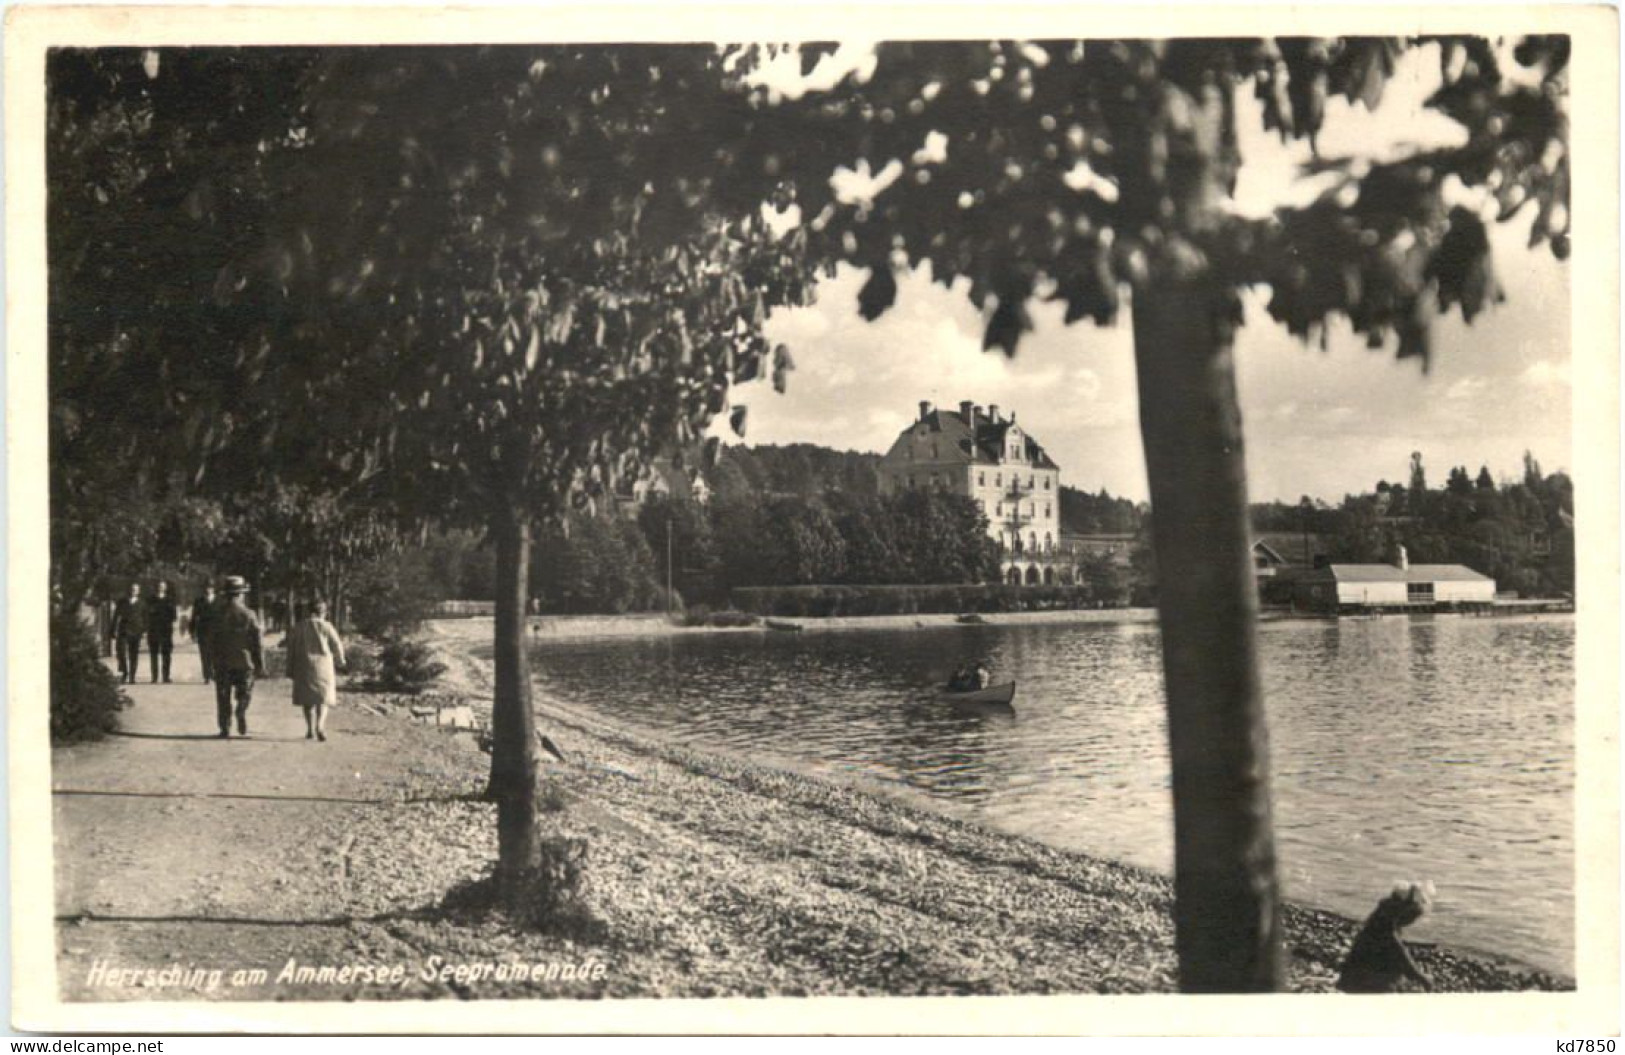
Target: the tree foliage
pixel 1068 169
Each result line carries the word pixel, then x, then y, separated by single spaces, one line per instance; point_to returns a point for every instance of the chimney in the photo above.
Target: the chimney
pixel 967 412
pixel 1400 559
pixel 925 409
pixel 993 413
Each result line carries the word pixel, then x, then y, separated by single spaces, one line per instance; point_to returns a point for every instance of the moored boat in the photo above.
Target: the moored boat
pixel 993 694
pixel 779 624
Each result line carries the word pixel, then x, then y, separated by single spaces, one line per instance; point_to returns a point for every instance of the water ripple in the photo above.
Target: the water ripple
pixel 1438 749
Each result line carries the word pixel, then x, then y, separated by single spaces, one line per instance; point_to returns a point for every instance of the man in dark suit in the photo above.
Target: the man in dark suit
pixel 234 642
pixel 161 614
pixel 203 619
pixel 129 626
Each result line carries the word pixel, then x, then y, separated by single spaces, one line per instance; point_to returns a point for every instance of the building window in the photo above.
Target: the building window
pixel 911 480
pixel 1046 483
pixel 981 479
pixel 1046 509
pixel 933 448
pixel 1419 592
pixel 998 480
pixel 1029 479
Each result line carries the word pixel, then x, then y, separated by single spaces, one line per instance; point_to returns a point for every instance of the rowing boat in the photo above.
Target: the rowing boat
pixel 993 694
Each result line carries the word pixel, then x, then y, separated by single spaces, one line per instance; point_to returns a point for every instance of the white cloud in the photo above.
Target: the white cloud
pixel 1545 372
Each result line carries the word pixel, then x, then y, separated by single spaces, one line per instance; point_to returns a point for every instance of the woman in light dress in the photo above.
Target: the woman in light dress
pixel 314 654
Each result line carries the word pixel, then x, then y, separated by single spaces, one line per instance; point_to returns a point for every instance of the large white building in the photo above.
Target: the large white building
pixel 988 457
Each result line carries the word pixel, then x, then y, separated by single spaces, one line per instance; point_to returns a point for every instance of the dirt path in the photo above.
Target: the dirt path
pixel 174 847
pixel 706 875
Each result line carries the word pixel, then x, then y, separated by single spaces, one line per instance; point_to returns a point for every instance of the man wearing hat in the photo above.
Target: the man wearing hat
pixel 235 658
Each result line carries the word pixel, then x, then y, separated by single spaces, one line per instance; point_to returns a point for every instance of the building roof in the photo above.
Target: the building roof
pixel 982 446
pixel 1394 573
pixel 1292 547
pixel 1269 551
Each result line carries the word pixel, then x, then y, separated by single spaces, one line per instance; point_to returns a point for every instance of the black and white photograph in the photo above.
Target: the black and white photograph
pixel 568 523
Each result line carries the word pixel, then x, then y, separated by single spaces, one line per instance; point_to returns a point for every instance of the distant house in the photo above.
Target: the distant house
pixel 1401 585
pixel 992 460
pixel 1267 560
pixel 661 478
pixel 1280 558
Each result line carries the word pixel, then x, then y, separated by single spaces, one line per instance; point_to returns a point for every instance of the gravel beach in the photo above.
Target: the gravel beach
pixel 706 875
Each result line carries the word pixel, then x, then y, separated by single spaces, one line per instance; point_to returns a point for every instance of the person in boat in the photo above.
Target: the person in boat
pixel 1379 962
pixel 970 677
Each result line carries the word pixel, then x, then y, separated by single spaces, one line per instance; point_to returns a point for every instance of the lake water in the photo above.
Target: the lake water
pixel 1437 749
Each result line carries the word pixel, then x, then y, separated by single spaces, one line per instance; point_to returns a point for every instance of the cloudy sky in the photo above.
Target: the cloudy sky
pixel 1322 423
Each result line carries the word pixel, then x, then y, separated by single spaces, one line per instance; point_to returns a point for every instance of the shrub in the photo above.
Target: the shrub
pixel 407 666
pixel 85 695
pixel 393 596
pixel 361 660
pixel 665 601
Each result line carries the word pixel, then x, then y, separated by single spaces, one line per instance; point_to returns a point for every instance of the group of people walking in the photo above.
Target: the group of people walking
pixel 152 619
pixel 228 637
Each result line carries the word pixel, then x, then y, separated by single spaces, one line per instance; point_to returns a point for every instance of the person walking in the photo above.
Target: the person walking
pixel 129 626
pixel 236 659
pixel 203 619
pixel 161 615
pixel 314 654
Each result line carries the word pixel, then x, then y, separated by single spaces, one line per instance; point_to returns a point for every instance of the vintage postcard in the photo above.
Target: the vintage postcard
pixel 801 519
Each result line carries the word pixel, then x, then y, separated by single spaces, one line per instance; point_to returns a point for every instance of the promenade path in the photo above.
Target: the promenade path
pixel 174 847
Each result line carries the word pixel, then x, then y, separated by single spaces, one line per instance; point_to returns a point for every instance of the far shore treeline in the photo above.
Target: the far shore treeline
pixel 795 529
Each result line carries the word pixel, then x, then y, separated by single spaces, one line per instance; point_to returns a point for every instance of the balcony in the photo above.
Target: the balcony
pixel 1054 553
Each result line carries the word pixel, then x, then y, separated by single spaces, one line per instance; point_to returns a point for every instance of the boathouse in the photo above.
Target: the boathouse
pixel 1351 588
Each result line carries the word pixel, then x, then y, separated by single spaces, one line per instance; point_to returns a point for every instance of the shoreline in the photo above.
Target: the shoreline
pixel 1315 938
pixel 550 629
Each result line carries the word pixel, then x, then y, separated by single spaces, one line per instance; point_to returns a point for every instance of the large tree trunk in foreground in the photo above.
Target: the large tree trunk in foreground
pixel 1226 914
pixel 513 725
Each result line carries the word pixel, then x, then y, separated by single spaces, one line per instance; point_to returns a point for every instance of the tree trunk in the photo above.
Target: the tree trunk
pixel 513 725
pixel 1226 915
